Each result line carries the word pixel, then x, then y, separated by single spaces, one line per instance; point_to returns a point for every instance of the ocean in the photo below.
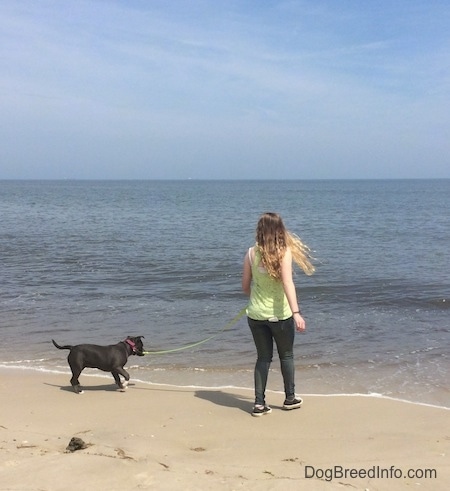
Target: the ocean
pixel 95 261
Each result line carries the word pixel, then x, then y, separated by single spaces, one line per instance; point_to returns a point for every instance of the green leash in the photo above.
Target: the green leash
pixel 227 326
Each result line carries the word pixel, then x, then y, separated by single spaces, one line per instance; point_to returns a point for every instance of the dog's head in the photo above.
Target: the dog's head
pixel 136 344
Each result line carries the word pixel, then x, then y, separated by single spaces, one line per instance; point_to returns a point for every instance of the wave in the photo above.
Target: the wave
pixel 374 395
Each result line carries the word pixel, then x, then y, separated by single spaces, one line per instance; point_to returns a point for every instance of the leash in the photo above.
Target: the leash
pixel 192 345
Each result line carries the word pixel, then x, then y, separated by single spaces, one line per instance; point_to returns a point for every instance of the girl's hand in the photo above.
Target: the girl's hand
pixel 300 324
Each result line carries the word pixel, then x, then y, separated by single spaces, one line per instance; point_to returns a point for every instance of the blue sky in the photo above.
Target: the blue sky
pixel 224 89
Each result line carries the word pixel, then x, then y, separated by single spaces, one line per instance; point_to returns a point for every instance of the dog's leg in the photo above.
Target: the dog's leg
pixel 75 382
pixel 125 375
pixel 122 386
pixel 116 378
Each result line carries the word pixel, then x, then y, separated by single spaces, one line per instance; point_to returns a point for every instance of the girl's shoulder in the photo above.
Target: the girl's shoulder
pixel 252 254
pixel 287 254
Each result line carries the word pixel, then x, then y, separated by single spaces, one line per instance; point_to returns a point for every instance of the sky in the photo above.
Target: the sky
pixel 224 89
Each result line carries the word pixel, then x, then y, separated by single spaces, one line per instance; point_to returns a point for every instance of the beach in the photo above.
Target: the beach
pixel 167 438
pixel 96 261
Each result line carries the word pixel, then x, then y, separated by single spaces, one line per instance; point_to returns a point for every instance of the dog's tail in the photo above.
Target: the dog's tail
pixel 61 347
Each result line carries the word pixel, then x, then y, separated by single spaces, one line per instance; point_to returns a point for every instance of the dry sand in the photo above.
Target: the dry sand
pixel 166 438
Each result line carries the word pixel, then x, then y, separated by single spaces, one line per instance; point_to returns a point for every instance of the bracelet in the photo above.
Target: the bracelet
pixel 297 312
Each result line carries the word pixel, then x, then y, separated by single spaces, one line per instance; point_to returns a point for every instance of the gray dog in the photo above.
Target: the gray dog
pixel 107 358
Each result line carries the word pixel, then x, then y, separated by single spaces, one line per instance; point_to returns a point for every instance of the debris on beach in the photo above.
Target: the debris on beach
pixel 76 444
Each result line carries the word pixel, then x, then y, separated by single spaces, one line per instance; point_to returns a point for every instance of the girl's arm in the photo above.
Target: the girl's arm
pixel 289 290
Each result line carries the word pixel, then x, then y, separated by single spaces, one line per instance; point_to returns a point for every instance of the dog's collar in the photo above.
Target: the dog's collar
pixel 131 344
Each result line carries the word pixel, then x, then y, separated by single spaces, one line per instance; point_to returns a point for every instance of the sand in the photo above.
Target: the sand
pixel 168 438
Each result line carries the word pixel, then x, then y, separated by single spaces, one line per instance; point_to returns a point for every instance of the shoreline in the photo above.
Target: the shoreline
pixel 273 383
pixel 165 438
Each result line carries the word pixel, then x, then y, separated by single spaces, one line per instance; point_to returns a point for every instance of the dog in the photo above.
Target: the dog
pixel 110 358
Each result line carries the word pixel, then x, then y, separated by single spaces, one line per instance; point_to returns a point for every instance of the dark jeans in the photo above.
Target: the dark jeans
pixel 264 333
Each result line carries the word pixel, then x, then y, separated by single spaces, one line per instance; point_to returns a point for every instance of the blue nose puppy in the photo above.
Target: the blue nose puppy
pixel 110 358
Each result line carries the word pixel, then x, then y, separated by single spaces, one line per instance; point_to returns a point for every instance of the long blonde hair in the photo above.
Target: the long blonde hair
pixel 272 240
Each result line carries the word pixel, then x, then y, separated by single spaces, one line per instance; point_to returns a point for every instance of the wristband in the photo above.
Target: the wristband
pixel 297 312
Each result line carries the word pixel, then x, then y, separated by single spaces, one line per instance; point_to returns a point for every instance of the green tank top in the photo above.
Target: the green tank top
pixel 267 297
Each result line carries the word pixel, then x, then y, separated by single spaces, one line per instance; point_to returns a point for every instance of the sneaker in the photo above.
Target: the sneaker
pixel 294 403
pixel 261 410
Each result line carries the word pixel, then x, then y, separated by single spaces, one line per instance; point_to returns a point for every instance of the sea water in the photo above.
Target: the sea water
pixel 95 261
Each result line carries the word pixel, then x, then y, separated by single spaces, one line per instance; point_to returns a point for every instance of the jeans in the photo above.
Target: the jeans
pixel 264 333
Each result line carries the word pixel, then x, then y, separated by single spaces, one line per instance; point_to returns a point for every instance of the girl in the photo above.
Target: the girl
pixel 273 312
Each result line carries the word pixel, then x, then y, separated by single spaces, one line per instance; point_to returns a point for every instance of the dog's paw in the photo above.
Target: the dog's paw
pixel 124 386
